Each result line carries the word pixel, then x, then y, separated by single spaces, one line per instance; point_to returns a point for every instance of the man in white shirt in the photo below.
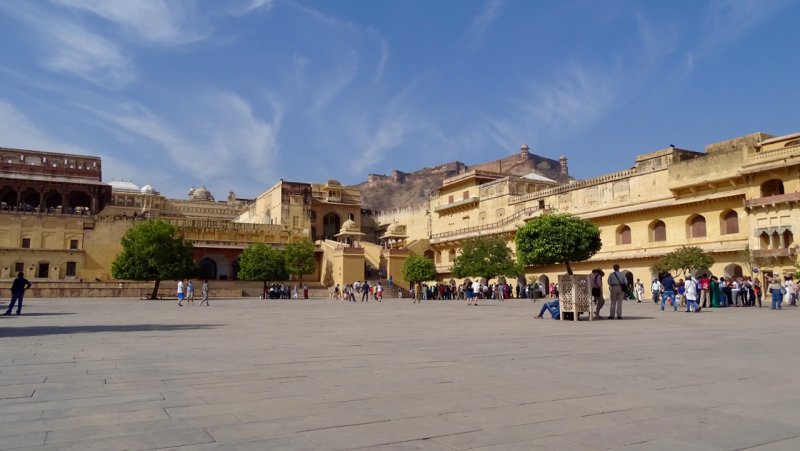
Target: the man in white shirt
pixel 180 293
pixel 791 290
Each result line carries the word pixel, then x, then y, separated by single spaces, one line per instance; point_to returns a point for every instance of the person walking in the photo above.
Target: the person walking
pixel 365 291
pixel 668 291
pixel 379 292
pixel 18 288
pixel 690 290
pixel 189 292
pixel 639 289
pixel 617 284
pixel 597 291
pixel 776 290
pixel 204 293
pixel 655 288
pixel 180 293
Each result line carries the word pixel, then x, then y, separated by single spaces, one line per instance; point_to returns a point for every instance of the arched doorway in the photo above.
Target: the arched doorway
pixel 8 197
pixel 234 270
pixel 208 269
pixel 29 200
pixel 331 224
pixel 52 199
pixel 79 199
pixel 733 270
pixel 544 284
pixel 772 187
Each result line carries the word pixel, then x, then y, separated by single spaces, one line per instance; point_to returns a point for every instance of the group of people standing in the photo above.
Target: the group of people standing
pixel 349 292
pixel 185 292
pixel 707 291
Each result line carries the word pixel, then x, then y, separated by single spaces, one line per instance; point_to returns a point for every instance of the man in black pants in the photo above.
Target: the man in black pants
pixel 365 291
pixel 17 293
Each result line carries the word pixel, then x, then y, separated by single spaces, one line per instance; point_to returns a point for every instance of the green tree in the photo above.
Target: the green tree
pixel 685 260
pixel 263 263
pixel 154 250
pixel 418 269
pixel 300 258
pixel 558 238
pixel 486 258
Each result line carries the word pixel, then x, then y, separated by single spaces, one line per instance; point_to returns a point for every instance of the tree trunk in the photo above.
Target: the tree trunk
pixel 569 268
pixel 154 296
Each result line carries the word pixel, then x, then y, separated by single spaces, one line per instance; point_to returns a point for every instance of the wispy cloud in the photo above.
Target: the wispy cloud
pixel 74 50
pixel 157 21
pixel 213 143
pixel 251 6
pixel 490 13
pixel 19 131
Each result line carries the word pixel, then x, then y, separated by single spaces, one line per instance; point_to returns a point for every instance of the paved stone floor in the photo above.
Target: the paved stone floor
pixel 247 374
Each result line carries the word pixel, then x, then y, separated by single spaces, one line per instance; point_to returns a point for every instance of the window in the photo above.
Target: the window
pixel 658 231
pixel 772 187
pixel 466 195
pixel 72 269
pixel 19 267
pixel 43 271
pixel 73 244
pixel 697 226
pixel 729 222
pixel 26 243
pixel 450 199
pixel 623 234
pixel 451 255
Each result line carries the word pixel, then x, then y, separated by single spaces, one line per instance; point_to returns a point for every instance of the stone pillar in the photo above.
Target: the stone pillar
pixel 395 259
pixel 350 261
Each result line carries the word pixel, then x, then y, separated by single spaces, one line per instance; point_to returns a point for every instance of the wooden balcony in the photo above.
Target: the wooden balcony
pixel 772 201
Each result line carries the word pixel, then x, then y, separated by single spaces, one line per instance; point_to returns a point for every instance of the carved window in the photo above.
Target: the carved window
pixel 658 231
pixel 729 222
pixel 72 269
pixel 26 243
pixel 73 244
pixel 623 234
pixel 697 226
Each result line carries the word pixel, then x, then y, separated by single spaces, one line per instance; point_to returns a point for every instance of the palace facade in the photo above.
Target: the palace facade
pixel 737 200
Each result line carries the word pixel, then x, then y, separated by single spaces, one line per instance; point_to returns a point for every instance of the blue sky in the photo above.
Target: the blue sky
pixel 237 94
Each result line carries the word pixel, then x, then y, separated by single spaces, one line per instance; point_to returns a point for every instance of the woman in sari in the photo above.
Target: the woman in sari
pixel 716 293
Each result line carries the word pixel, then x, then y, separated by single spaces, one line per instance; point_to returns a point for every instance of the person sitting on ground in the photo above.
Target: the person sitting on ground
pixel 553 307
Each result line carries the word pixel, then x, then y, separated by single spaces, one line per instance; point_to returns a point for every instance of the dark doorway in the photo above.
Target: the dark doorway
pixel 208 269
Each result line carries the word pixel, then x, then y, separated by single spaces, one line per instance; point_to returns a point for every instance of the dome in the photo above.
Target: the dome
pixel 332 182
pixel 120 186
pixel 147 189
pixel 349 225
pixel 202 193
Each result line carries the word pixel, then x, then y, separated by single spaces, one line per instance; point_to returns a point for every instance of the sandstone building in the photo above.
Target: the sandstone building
pixel 59 221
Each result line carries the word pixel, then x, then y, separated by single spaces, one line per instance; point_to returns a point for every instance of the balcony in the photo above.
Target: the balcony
pixel 772 201
pixel 775 253
pixel 460 205
pixel 497 227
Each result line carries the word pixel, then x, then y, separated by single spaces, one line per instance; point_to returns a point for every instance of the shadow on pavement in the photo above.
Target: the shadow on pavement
pixel 56 330
pixel 40 314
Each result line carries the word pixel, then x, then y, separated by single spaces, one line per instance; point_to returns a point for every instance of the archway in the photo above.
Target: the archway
pixel 544 284
pixel 331 224
pixel 78 199
pixel 772 187
pixel 29 199
pixel 208 269
pixel 235 270
pixel 8 197
pixel 428 254
pixel 733 270
pixel 52 199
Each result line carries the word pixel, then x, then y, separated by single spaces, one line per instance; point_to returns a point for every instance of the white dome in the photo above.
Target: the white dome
pixel 147 189
pixel 123 186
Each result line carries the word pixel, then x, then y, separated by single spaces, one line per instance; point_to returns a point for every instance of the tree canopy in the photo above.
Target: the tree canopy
pixel 154 250
pixel 300 258
pixel 263 263
pixel 418 269
pixel 557 238
pixel 685 260
pixel 486 258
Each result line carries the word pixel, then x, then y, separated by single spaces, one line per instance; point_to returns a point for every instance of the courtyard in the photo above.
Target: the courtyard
pixel 105 374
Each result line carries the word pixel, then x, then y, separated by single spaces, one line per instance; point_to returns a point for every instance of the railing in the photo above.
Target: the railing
pixel 573 186
pixel 78 211
pixel 769 200
pixel 20 168
pixel 512 218
pixel 774 154
pixel 775 252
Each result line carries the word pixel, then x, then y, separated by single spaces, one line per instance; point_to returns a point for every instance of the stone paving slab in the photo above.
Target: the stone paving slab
pixel 248 374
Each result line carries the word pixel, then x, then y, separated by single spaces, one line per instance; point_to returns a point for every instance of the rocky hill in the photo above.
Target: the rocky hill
pixel 402 189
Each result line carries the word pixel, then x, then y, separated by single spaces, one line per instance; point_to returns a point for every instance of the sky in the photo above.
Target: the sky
pixel 235 95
